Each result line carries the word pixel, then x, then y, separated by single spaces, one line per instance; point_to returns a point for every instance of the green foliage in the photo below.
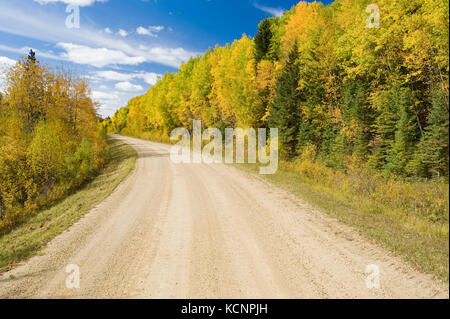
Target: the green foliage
pixel 405 139
pixel 263 40
pixel 432 155
pixel 285 108
pixel 395 129
pixel 81 165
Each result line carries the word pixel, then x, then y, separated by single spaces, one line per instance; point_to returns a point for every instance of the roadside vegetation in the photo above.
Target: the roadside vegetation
pixel 363 113
pixel 51 142
pixel 42 225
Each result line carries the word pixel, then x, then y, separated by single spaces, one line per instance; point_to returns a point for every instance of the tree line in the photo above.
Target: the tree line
pixel 335 88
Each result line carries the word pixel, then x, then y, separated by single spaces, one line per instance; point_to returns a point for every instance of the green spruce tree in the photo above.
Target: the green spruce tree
pixel 262 40
pixel 432 156
pixel 285 108
pixel 405 139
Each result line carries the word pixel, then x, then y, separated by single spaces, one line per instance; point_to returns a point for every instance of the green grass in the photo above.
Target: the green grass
pixel 423 243
pixel 33 234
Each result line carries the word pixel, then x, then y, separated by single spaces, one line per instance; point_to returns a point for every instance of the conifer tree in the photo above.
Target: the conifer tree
pixel 262 40
pixel 405 139
pixel 32 56
pixel 389 104
pixel 432 156
pixel 285 108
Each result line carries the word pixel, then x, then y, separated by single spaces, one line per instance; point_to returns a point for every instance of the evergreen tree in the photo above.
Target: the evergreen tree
pixel 262 40
pixel 432 156
pixel 358 118
pixel 405 139
pixel 285 108
pixel 32 56
pixel 389 103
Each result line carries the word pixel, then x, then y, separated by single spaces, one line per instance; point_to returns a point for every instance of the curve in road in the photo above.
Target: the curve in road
pixel 210 231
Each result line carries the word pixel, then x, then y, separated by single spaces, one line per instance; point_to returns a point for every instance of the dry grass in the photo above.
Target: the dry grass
pixel 26 239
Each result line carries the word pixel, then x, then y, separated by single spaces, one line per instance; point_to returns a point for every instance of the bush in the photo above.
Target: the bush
pixel 81 165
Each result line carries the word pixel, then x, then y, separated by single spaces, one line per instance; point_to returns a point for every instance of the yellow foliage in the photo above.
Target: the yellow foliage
pixel 50 141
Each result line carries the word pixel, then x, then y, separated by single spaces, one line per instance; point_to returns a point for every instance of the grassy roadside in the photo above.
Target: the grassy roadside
pixel 421 242
pixel 26 240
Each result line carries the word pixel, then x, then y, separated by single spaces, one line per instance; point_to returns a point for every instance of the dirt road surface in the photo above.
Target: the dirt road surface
pixel 210 231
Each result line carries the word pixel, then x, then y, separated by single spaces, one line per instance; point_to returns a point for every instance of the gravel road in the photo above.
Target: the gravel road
pixel 210 231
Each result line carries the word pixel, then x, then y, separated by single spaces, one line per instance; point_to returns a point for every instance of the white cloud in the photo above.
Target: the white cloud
pixel 101 57
pixel 122 33
pixel 6 62
pixel 111 99
pixel 167 56
pixel 150 31
pixel 46 27
pixel 114 76
pixel 81 3
pixel 98 57
pixel 100 95
pixel 277 12
pixel 149 77
pixel 128 87
pixel 156 28
pixel 144 31
pixel 108 30
pixel 24 52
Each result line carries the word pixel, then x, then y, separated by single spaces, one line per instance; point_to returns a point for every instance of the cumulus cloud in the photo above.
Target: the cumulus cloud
pixel 111 99
pixel 98 57
pixel 23 51
pixel 101 57
pixel 81 3
pixel 15 21
pixel 122 33
pixel 168 56
pixel 100 95
pixel 6 62
pixel 150 31
pixel 149 77
pixel 144 31
pixel 128 87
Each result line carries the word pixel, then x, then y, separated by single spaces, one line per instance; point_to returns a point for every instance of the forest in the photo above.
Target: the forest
pixel 50 139
pixel 362 113
pixel 340 92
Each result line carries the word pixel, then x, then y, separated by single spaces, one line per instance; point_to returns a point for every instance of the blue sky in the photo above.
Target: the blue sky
pixel 123 45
